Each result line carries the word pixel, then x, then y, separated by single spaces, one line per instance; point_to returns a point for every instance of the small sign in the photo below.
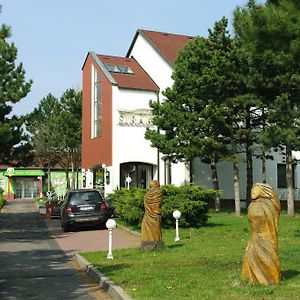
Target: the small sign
pixel 10 171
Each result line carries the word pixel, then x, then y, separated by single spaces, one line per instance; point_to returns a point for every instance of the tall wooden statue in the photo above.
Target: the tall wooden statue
pixel 261 261
pixel 151 225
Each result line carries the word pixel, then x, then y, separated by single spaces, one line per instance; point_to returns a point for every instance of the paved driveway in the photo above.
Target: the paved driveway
pixel 32 265
pixel 90 239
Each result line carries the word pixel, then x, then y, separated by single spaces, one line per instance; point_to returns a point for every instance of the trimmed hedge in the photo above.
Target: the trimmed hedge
pixel 191 201
pixel 2 200
pixel 129 204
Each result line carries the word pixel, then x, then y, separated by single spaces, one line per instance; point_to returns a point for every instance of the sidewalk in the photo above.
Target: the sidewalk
pixel 85 240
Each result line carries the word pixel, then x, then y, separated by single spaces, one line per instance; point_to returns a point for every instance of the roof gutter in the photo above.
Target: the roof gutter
pixel 103 68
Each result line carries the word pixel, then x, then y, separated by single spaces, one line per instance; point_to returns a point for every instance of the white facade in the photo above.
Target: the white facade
pixel 160 71
pixel 129 144
pixel 153 63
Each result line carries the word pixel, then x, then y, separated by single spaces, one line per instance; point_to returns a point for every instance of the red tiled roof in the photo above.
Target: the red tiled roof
pixel 168 44
pixel 139 80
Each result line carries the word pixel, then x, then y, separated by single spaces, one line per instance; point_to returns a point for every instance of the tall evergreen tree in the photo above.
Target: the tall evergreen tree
pixel 195 120
pixel 13 87
pixel 270 34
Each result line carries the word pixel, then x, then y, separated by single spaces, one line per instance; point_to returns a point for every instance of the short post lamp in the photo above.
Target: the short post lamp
pixel 128 180
pixel 110 224
pixel 177 215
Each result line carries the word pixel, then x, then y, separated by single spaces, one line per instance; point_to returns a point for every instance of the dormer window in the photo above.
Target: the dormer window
pixel 113 68
pixel 125 69
pixel 119 69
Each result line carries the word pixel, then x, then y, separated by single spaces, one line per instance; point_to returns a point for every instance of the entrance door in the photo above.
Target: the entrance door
pixel 26 188
pixel 140 174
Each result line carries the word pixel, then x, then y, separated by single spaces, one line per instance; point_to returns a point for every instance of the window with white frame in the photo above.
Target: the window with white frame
pixel 96 120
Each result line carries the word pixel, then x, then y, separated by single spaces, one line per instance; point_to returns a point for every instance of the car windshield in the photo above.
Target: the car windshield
pixel 84 197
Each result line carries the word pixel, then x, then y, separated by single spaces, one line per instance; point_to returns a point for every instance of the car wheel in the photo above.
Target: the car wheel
pixel 101 226
pixel 66 227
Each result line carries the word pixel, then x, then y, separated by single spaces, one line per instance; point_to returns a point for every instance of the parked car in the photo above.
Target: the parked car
pixel 83 207
pixel 109 204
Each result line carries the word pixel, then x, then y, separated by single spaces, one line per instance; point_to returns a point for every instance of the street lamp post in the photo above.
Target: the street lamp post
pixel 110 224
pixel 128 180
pixel 177 215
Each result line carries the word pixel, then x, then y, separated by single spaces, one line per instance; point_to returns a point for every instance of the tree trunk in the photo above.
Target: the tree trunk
pixel 214 176
pixel 249 173
pixel 289 183
pixel 236 184
pixel 49 177
pixel 67 178
pixel 263 167
pixel 77 179
pixel 249 160
pixel 73 175
pixel 191 172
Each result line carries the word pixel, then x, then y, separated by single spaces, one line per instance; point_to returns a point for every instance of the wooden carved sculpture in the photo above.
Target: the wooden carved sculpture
pixel 261 260
pixel 151 225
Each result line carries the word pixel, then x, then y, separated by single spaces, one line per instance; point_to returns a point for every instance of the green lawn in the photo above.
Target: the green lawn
pixel 204 264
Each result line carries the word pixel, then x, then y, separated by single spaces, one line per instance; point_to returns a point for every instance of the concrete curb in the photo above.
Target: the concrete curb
pixel 129 230
pixel 105 283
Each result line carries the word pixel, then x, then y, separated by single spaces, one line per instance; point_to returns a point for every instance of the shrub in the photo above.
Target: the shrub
pixel 129 204
pixel 2 200
pixel 191 201
pixel 41 201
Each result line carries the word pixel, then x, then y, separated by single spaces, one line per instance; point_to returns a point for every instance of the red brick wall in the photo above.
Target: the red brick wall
pixel 97 150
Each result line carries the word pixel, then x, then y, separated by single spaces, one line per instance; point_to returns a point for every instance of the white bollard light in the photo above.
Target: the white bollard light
pixel 177 215
pixel 110 225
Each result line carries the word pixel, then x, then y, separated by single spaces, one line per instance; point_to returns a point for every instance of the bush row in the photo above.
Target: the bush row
pixel 191 201
pixel 2 200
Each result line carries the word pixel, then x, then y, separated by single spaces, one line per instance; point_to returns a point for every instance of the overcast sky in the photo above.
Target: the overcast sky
pixel 53 37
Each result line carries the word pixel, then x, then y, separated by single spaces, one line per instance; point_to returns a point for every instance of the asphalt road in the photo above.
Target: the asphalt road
pixel 32 264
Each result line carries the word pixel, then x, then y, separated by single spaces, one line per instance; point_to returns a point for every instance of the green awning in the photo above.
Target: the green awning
pixel 12 172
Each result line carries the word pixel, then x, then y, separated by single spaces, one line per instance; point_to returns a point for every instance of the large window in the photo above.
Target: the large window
pixel 140 174
pixel 281 176
pixel 96 104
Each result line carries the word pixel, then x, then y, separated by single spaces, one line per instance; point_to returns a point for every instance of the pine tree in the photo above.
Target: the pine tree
pixel 270 35
pixel 13 87
pixel 195 120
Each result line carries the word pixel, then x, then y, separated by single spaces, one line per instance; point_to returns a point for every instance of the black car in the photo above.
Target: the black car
pixel 109 204
pixel 83 207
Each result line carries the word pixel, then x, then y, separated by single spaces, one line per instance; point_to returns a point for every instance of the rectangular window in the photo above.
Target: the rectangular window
pixel 119 69
pixel 113 68
pixel 281 176
pixel 96 103
pixel 125 69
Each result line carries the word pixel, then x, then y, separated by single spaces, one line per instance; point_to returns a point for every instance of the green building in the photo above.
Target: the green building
pixel 22 183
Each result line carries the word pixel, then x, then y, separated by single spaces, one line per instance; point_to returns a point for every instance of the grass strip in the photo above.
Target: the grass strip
pixel 205 264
